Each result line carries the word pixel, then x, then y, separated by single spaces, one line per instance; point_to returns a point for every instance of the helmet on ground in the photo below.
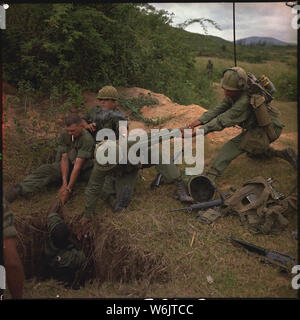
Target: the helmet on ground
pixel 234 79
pixel 108 92
pixel 201 188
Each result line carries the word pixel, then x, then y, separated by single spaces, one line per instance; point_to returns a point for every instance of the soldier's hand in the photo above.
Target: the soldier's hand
pixel 91 127
pixel 86 229
pixel 63 195
pixel 194 124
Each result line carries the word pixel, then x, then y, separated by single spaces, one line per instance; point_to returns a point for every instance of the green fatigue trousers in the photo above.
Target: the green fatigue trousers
pixel 236 146
pixel 106 185
pixel 47 174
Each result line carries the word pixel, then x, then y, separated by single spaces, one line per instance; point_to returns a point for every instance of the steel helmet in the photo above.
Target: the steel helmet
pixel 201 188
pixel 234 79
pixel 108 92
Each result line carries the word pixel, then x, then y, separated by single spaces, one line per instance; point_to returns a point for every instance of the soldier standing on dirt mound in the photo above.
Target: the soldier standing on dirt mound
pixel 238 108
pixel 73 161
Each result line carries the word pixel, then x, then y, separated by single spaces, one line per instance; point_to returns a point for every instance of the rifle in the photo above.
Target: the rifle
pixel 275 194
pixel 256 86
pixel 274 257
pixel 200 205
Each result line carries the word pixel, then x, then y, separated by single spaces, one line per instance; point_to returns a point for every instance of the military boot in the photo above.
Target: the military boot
pixel 122 200
pixel 182 194
pixel 289 155
pixel 13 193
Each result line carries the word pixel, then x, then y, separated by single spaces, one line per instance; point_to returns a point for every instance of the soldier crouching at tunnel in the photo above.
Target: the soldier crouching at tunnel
pixel 250 110
pixel 62 260
pixel 73 161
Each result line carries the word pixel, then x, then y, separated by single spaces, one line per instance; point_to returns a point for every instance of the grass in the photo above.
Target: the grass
pixel 185 251
pixel 282 74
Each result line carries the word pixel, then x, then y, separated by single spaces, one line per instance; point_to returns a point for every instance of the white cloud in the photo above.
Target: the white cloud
pixel 268 19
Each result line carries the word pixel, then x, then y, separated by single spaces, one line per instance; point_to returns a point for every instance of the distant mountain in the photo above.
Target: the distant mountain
pixel 268 41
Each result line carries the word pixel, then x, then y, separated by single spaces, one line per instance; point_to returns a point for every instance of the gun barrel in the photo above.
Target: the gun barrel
pixel 249 246
pixel 280 259
pixel 200 205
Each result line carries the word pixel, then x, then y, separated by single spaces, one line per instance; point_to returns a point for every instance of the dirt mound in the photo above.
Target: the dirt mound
pixel 180 115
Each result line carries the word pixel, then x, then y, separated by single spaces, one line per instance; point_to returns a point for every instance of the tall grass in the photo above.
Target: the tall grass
pixel 282 74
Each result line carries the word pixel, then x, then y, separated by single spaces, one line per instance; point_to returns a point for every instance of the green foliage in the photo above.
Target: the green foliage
pixel 74 97
pixel 134 106
pixel 64 46
pixel 25 92
pixel 286 86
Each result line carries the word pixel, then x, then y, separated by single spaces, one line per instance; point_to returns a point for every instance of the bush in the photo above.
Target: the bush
pixel 75 47
pixel 286 86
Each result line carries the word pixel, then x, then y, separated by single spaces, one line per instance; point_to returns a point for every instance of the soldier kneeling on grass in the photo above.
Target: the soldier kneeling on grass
pixel 62 260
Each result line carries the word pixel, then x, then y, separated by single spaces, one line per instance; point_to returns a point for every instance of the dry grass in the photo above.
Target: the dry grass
pixel 149 252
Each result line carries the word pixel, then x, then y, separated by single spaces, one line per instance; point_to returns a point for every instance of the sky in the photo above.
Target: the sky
pixel 262 19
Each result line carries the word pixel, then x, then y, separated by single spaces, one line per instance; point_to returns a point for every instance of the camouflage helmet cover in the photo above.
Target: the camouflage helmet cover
pixel 108 92
pixel 234 79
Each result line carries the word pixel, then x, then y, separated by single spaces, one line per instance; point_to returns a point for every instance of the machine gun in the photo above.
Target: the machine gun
pixel 282 260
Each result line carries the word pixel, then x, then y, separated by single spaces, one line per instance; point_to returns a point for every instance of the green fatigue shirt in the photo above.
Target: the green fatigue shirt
pixel 230 113
pixel 69 257
pixel 9 229
pixel 104 119
pixel 81 147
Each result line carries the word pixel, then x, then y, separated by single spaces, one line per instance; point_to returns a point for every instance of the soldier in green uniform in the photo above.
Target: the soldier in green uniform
pixel 63 260
pixel 73 161
pixel 209 69
pixel 12 262
pixel 238 108
pixel 106 115
pixel 119 193
pixel 114 187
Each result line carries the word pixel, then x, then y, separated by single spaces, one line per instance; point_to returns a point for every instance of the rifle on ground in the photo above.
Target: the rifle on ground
pixel 200 205
pixel 274 257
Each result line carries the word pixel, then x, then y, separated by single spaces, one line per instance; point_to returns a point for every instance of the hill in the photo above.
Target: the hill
pixel 268 41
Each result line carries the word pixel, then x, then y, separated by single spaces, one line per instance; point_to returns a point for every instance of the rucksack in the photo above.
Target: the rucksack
pixel 260 207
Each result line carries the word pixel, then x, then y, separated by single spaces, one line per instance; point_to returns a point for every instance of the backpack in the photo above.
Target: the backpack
pixel 260 206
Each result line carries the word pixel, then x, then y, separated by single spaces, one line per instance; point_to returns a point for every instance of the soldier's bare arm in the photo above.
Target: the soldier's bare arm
pixel 14 268
pixel 64 166
pixel 75 172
